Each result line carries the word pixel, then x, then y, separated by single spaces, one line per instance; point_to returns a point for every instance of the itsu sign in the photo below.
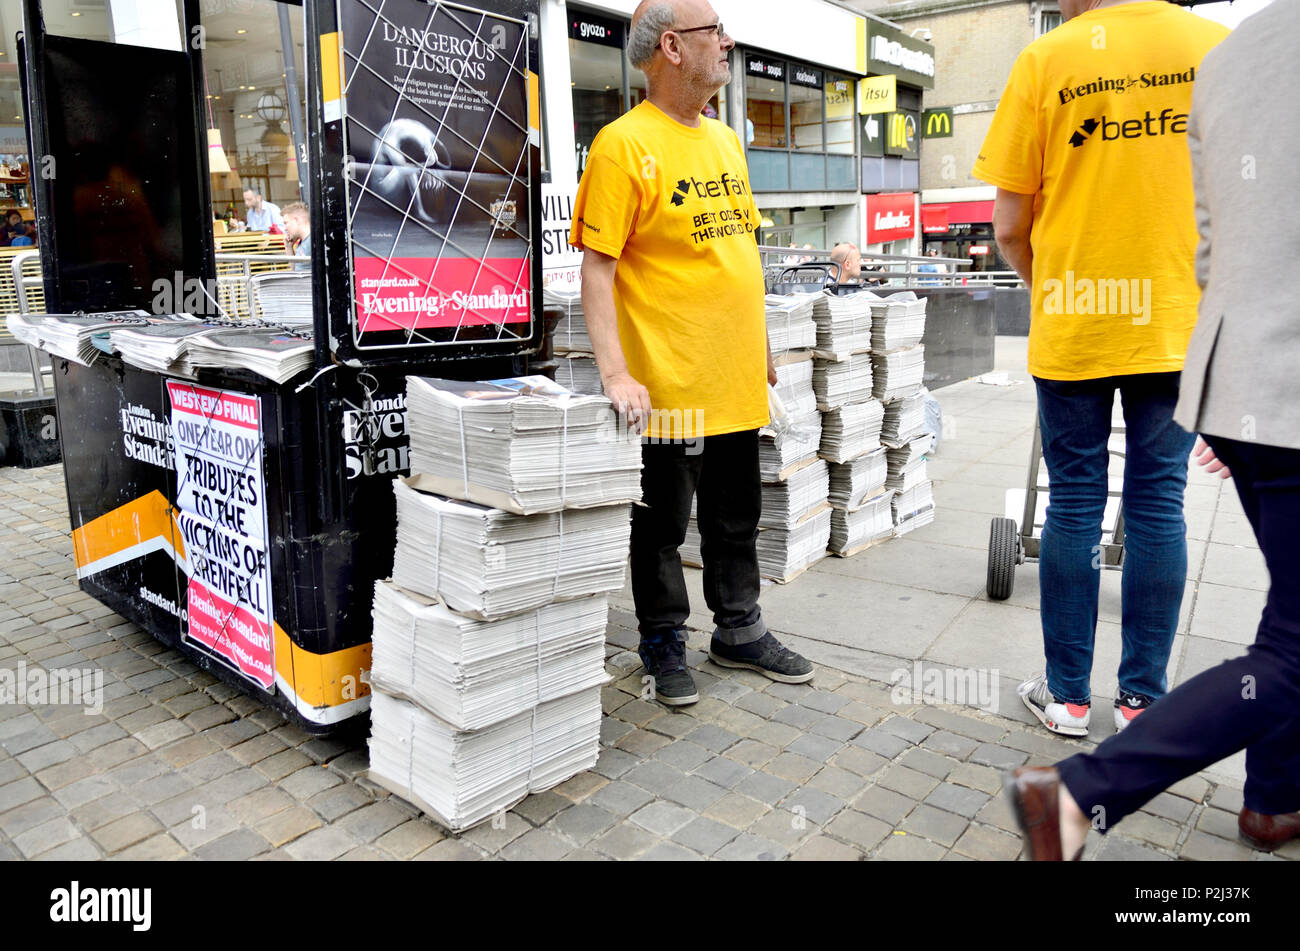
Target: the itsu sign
pixel 891 217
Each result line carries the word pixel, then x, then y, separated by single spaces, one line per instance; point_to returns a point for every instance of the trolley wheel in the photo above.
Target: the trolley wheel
pixel 1004 552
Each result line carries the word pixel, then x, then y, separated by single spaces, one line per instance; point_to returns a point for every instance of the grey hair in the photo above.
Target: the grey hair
pixel 643 38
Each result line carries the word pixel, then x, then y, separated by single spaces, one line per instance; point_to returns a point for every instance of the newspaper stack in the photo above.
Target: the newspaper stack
pixel 579 374
pixel 860 528
pixel 70 336
pixel 277 354
pixel 780 454
pixel 898 373
pixel 788 502
pixel 897 321
pixel 849 431
pixel 907 463
pixel 525 444
pixel 571 332
pixel 904 419
pixel 784 553
pixel 472 673
pixel 487 563
pixel 853 482
pixel 913 507
pixel 790 322
pixel 843 323
pixel 840 382
pixel 161 344
pixel 283 297
pixel 461 777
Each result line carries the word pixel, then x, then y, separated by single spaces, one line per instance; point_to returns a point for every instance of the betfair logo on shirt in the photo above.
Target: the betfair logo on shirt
pixel 709 188
pixel 1167 121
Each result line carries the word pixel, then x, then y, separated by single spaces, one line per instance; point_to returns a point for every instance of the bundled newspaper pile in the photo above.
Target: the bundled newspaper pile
pixel 784 553
pixel 283 297
pixel 70 336
pixel 802 492
pixel 778 453
pixel 160 345
pixel 462 777
pixel 897 321
pixel 570 334
pixel 579 374
pixel 486 563
pixel 853 530
pixel 843 323
pixel 907 463
pixel 488 653
pixel 525 444
pixel 852 482
pixel 913 507
pixel 790 322
pixel 898 373
pixel 277 354
pixel 840 382
pixel 903 420
pixel 851 430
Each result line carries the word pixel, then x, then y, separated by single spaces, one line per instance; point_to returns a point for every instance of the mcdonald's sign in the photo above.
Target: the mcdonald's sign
pixel 936 124
pixel 901 133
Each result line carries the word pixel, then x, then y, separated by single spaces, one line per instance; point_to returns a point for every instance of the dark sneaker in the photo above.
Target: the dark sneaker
pixel 665 662
pixel 765 655
pixel 1127 707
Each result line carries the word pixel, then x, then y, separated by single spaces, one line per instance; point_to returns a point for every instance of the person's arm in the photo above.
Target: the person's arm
pixel 771 367
pixel 630 398
pixel 1013 218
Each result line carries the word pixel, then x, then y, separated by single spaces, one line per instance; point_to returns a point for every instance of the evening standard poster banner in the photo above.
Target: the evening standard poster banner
pixel 438 180
pixel 221 498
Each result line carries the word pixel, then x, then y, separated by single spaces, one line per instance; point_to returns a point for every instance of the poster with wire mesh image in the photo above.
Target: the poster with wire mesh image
pixel 437 139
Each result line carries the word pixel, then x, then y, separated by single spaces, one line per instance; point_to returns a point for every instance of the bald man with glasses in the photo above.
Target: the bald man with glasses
pixel 672 288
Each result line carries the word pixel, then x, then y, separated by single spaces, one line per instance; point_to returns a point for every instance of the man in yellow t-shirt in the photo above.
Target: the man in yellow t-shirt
pixel 1088 149
pixel 672 290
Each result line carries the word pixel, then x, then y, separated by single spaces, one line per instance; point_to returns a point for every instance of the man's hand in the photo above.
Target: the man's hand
pixel 771 369
pixel 1204 455
pixel 631 400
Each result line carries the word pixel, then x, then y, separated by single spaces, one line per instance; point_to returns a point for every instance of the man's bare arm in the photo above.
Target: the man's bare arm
pixel 1013 219
pixel 629 397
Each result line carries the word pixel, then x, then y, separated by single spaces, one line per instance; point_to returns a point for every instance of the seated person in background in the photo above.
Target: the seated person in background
pixel 13 219
pixel 262 214
pixel 931 267
pixel 23 236
pixel 846 255
pixel 297 228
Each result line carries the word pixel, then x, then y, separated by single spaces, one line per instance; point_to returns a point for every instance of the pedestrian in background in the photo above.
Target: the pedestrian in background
pixel 1094 210
pixel 1238 389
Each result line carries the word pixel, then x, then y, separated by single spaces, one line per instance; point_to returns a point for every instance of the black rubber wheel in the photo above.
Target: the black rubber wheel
pixel 1004 547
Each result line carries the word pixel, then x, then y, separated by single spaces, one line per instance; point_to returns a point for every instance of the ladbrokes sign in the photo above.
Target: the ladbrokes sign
pixel 891 217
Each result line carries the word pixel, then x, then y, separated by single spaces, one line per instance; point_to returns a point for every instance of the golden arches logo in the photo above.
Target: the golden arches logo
pixel 938 123
pixel 902 130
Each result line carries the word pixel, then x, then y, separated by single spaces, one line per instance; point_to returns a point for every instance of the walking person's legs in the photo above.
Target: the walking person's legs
pixel 1155 542
pixel 1074 422
pixel 1250 702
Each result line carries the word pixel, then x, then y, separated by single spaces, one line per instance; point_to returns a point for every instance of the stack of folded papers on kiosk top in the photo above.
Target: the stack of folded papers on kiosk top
pixel 871 521
pixel 840 382
pixel 785 552
pixel 904 419
pixel 284 297
pixel 278 354
pixel 788 502
pixel 570 334
pixel 463 777
pixel 858 479
pixel 897 321
pixel 70 336
pixel 161 345
pixel 790 323
pixel 898 373
pixel 525 444
pixel 487 563
pixel 843 322
pixel 849 431
pixel 474 673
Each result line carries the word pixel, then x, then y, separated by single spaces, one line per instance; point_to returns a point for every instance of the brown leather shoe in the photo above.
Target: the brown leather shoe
pixel 1033 792
pixel 1265 832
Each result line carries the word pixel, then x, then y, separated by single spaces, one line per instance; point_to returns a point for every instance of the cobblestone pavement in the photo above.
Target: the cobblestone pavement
pixel 181 765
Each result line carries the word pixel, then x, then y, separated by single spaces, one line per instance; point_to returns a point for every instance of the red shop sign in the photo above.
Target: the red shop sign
pixel 890 217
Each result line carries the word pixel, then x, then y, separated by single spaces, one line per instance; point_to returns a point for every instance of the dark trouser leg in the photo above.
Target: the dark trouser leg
pixel 1250 702
pixel 728 506
pixel 668 478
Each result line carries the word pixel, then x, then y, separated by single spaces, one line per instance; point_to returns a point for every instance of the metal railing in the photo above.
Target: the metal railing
pixel 895 271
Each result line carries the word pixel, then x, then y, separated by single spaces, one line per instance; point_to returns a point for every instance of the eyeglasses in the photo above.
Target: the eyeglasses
pixel 715 28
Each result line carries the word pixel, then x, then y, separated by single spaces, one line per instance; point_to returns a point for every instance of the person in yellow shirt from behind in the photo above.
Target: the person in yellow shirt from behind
pixel 1088 150
pixel 673 292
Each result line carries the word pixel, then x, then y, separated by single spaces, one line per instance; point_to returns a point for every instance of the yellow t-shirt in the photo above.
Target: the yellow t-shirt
pixel 1093 122
pixel 674 205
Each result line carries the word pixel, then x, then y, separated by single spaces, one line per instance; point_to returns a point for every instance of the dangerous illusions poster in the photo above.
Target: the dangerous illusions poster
pixel 438 177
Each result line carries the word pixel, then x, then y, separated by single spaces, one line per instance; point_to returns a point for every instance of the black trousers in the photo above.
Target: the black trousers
pixel 721 473
pixel 1250 702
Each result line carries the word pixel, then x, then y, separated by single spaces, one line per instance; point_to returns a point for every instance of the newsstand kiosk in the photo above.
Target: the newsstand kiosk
pixel 243 521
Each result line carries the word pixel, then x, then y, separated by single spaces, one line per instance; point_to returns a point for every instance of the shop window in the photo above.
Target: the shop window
pixel 839 115
pixel 806 128
pixel 598 68
pixel 765 104
pixel 1049 18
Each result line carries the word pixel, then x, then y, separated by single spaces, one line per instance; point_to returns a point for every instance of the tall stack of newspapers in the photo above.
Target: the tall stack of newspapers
pixel 576 358
pixel 488 653
pixel 898 361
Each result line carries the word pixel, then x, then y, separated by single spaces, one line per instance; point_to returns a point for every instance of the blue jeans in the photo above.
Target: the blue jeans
pixel 1074 420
